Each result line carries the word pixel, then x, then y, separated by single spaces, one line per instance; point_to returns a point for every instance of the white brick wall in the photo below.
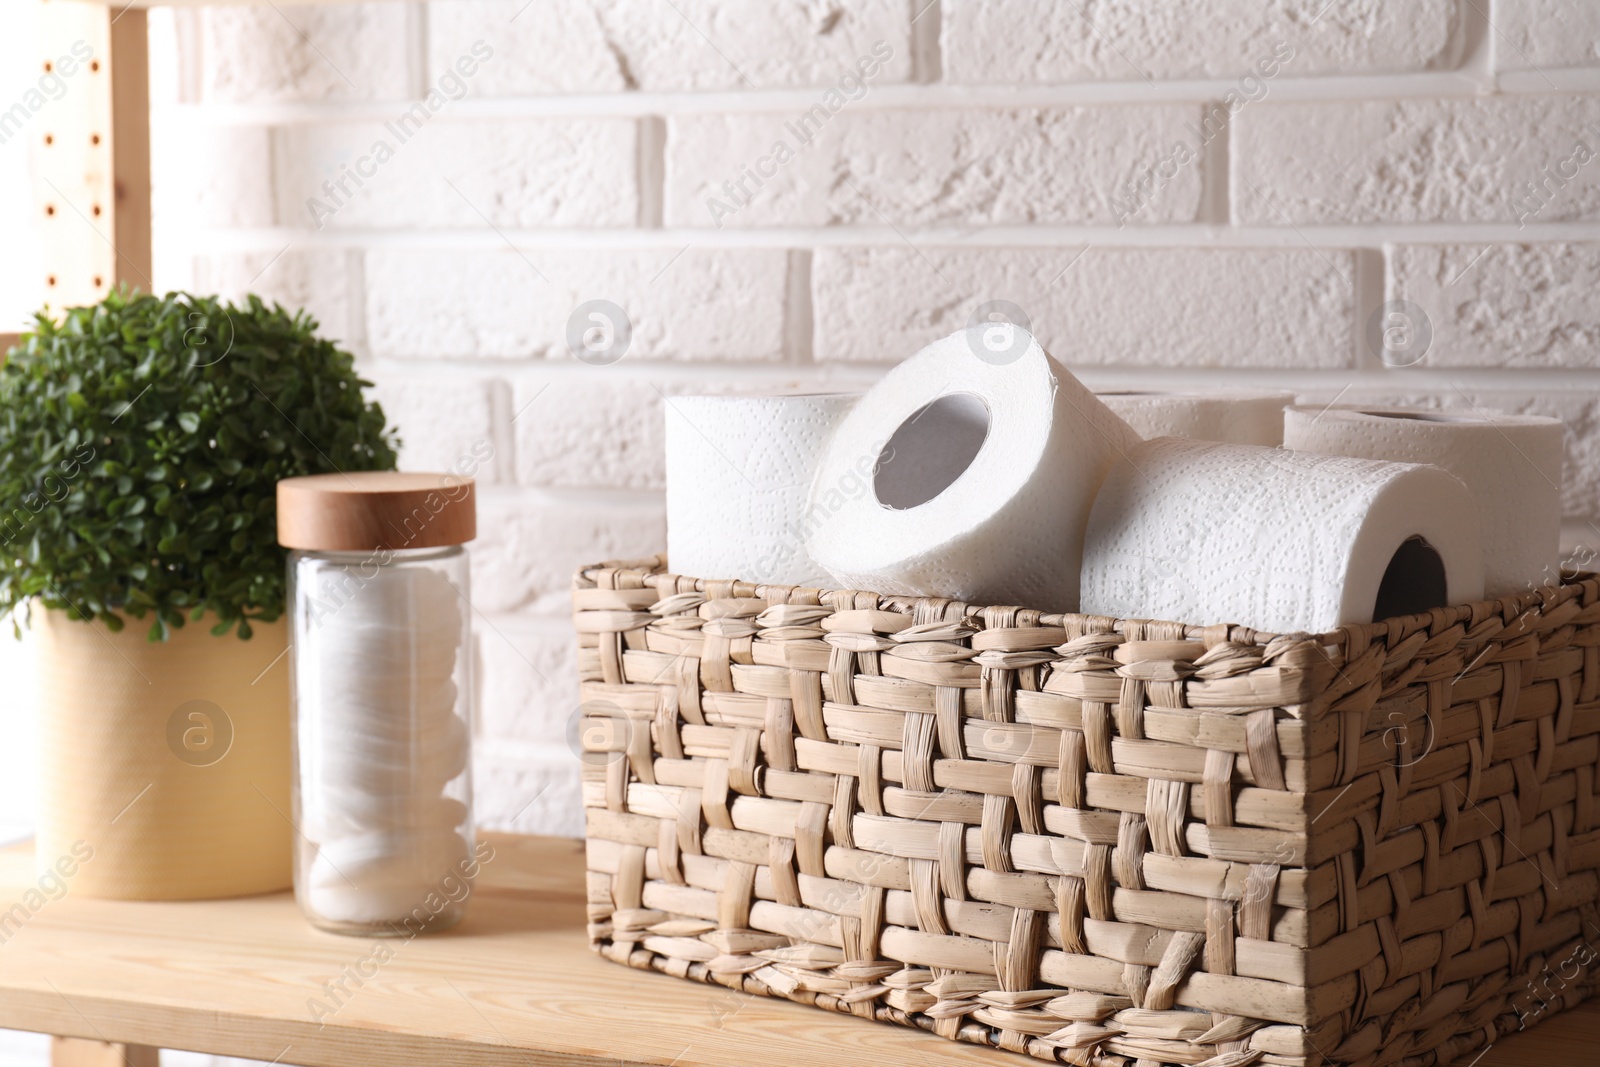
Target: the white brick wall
pixel 1504 305
pixel 1015 42
pixel 1218 193
pixel 211 175
pixel 499 302
pixel 322 281
pixel 446 173
pixel 1418 161
pixel 301 53
pixel 1193 307
pixel 1536 34
pixel 966 167
pixel 577 46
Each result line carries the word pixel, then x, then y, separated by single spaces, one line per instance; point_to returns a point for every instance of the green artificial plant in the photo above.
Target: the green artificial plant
pixel 141 442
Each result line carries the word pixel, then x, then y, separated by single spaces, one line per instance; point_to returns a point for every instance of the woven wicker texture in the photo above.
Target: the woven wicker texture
pixel 1099 841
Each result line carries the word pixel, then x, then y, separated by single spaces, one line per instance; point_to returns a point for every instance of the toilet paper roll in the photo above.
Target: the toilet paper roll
pixel 1512 464
pixel 738 468
pixel 968 471
pixel 1241 417
pixel 1198 532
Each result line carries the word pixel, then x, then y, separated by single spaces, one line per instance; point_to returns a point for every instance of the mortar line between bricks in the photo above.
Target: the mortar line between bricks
pixel 620 500
pixel 1516 380
pixel 1159 236
pixel 1350 88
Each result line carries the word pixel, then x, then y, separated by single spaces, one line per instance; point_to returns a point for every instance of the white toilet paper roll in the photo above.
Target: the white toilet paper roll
pixel 968 471
pixel 1197 532
pixel 1241 417
pixel 738 468
pixel 1512 464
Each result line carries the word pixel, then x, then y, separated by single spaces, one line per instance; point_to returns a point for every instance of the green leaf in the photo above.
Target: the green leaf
pixel 170 463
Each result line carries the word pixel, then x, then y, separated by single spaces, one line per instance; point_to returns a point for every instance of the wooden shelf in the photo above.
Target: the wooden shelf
pixel 515 984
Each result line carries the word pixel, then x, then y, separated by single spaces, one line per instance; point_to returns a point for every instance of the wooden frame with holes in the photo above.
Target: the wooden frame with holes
pixel 92 158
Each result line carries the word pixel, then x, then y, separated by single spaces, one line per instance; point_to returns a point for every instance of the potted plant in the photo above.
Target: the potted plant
pixel 141 440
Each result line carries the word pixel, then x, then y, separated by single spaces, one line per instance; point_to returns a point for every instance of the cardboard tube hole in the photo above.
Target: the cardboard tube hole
pixel 930 450
pixel 1413 582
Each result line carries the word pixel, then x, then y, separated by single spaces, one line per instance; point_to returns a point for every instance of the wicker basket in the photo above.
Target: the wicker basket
pixel 1099 841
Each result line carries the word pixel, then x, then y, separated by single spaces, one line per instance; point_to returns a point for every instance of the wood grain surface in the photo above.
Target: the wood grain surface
pixel 514 984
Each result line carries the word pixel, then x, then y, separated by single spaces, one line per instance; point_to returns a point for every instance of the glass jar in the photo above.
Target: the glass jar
pixel 381 661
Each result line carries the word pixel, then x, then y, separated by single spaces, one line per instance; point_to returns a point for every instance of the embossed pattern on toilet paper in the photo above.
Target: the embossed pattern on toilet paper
pixel 739 469
pixel 1197 532
pixel 1511 463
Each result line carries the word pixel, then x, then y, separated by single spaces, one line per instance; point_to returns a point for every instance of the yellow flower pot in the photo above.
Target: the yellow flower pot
pixel 167 763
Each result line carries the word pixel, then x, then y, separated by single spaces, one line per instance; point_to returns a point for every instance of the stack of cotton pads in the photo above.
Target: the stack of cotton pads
pixel 377 796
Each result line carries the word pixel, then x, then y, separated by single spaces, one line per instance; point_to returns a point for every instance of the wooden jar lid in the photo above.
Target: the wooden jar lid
pixel 365 511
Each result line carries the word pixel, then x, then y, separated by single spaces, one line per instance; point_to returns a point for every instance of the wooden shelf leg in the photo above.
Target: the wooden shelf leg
pixel 76 1052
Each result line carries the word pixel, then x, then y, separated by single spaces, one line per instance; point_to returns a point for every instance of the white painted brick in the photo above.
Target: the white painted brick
pixel 705 305
pixel 1503 305
pixel 968 166
pixel 574 46
pixel 1221 307
pixel 320 280
pixel 596 429
pixel 558 46
pixel 290 52
pixel 165 59
pixel 528 549
pixel 1412 161
pixel 446 421
pixel 1021 41
pixel 528 790
pixel 505 173
pixel 209 175
pixel 527 680
pixel 1539 34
